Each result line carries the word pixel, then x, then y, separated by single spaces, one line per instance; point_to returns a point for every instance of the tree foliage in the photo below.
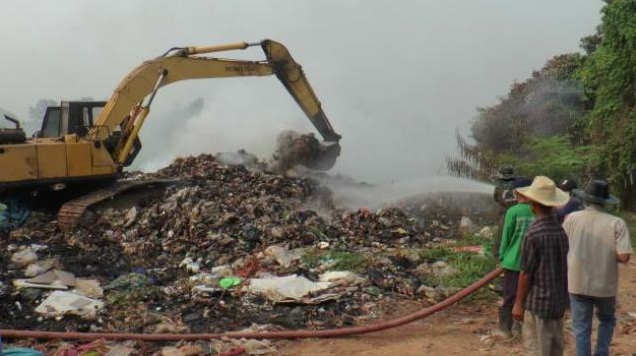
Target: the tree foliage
pixel 609 79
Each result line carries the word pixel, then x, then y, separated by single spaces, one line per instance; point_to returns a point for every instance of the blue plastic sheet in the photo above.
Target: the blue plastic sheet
pixel 21 352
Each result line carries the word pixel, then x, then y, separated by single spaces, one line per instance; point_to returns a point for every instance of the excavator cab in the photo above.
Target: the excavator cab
pixel 77 117
pixel 71 117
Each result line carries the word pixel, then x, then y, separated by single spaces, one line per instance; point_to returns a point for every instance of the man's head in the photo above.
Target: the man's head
pixel 596 192
pixel 568 185
pixel 521 182
pixel 506 173
pixel 544 195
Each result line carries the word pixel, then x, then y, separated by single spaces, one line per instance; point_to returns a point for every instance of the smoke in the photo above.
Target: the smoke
pixel 224 122
pixel 354 195
pixel 551 105
pixel 156 153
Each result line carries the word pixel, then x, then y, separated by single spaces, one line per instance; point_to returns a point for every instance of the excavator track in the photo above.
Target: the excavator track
pixel 72 211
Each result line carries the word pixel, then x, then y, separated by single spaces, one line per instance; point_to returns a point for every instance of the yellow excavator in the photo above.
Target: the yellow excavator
pixel 81 143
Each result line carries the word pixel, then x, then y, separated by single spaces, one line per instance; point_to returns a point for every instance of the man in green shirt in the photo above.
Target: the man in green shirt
pixel 505 197
pixel 518 219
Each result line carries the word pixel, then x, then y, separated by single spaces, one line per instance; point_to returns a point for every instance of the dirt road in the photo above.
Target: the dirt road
pixel 465 330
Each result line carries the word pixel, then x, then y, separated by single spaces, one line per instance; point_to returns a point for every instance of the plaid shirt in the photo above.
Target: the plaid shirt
pixel 544 258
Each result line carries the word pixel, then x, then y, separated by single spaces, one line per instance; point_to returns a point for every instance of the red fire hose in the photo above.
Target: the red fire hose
pixel 262 335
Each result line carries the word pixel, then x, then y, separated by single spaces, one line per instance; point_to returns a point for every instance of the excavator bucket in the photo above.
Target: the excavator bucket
pixel 326 158
pixel 305 150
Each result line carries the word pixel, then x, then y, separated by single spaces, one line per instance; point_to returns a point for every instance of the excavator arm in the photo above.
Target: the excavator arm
pixel 130 103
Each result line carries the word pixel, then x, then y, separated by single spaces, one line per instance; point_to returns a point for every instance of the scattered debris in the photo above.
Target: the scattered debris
pixel 89 287
pixel 436 294
pixel 186 350
pixel 256 347
pixel 24 257
pixel 54 279
pixel 286 288
pixel 466 226
pixel 437 269
pixel 40 267
pixel 343 278
pixel 486 232
pixel 190 265
pixel 120 350
pixel 60 303
pixel 283 256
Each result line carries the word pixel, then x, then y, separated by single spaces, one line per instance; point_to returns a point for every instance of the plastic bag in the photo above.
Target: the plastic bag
pixel 229 282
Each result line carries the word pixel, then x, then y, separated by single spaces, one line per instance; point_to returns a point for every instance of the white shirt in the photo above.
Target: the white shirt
pixel 595 238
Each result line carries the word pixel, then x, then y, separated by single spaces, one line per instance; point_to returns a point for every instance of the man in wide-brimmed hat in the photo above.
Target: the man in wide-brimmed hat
pixel 542 295
pixel 598 243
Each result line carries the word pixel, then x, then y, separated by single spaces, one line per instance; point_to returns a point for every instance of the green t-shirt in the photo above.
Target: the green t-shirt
pixel 518 219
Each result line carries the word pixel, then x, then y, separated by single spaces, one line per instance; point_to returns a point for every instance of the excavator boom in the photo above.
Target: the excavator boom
pixel 127 110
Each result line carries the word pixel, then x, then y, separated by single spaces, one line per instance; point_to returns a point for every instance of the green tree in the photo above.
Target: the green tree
pixel 609 78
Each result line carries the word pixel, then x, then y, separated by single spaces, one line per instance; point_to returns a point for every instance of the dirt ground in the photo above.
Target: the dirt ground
pixel 465 329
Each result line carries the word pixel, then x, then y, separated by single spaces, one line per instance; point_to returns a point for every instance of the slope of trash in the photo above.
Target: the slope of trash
pixel 226 247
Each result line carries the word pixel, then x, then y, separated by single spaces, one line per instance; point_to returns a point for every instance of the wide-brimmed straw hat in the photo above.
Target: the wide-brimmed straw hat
pixel 545 192
pixel 597 192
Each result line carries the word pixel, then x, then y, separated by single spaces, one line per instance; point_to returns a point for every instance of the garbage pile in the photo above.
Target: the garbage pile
pixel 226 247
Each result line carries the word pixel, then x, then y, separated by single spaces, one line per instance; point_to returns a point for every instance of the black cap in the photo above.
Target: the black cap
pixel 506 173
pixel 521 182
pixel 567 185
pixel 597 192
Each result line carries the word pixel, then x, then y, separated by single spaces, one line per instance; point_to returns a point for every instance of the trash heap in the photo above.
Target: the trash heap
pixel 226 247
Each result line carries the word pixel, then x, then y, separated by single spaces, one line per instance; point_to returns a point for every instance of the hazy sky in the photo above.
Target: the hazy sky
pixel 394 77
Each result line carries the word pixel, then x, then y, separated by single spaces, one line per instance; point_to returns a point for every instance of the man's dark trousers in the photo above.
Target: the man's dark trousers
pixel 511 279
